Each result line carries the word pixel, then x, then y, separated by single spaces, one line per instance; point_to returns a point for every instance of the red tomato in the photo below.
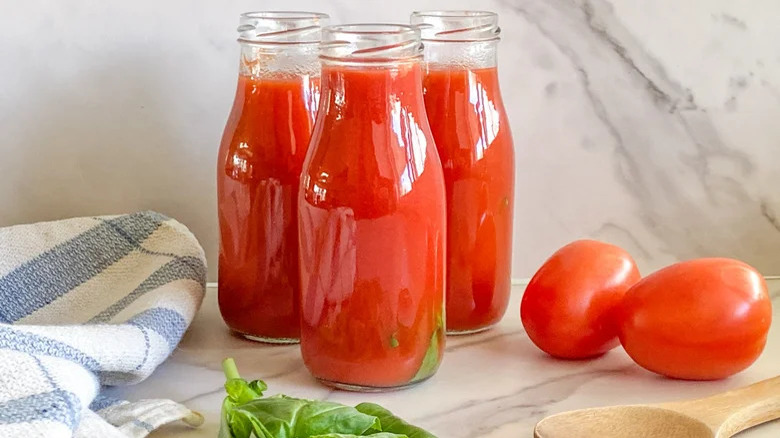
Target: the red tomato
pixel 702 319
pixel 568 307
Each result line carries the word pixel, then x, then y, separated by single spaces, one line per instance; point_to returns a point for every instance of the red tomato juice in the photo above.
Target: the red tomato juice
pixel 472 135
pixel 260 161
pixel 372 229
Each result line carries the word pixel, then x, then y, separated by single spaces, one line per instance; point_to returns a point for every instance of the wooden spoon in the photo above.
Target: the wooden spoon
pixel 719 416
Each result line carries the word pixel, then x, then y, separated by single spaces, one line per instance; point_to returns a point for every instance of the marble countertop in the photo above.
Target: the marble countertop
pixel 491 385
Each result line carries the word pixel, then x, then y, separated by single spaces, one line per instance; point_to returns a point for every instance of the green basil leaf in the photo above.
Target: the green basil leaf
pixel 224 423
pixel 239 391
pixel 322 417
pixel 247 421
pixel 375 435
pixel 224 430
pixel 391 423
pixel 270 417
pixel 430 362
pixel 258 386
pixel 246 414
pixel 246 426
pixel 287 417
pixel 232 425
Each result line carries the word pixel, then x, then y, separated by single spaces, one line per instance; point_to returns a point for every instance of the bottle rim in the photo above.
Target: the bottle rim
pixel 457 26
pixel 373 29
pixel 370 42
pixel 281 27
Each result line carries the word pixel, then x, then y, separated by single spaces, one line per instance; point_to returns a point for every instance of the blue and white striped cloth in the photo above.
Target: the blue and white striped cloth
pixel 87 303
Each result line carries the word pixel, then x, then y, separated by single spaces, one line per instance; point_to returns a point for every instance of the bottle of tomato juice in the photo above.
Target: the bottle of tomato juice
pixel 372 217
pixel 258 173
pixel 472 134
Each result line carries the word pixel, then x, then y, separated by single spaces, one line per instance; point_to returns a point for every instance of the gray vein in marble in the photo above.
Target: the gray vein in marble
pixel 598 106
pixel 628 168
pixel 737 85
pixel 769 215
pixel 219 390
pixel 694 119
pixel 732 20
pixel 529 401
pixel 551 88
pixel 653 119
pixel 481 340
pixel 607 227
pixel 731 104
pixel 661 96
pixel 708 147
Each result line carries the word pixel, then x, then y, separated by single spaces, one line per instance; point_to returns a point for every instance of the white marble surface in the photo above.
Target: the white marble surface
pixel 493 385
pixel 653 125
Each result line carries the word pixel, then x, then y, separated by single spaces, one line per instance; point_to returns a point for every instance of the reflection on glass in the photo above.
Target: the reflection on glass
pixel 488 117
pixel 411 139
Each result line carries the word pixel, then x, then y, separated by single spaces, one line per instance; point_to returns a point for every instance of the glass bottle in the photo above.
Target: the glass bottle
pixel 372 217
pixel 474 141
pixel 258 173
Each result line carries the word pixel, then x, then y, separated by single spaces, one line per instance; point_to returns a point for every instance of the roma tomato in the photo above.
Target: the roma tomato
pixel 568 307
pixel 702 319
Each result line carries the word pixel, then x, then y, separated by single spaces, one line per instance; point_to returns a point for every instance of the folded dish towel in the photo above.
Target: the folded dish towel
pixel 87 303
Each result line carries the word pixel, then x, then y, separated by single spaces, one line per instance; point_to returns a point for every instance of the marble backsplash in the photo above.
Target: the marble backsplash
pixel 652 125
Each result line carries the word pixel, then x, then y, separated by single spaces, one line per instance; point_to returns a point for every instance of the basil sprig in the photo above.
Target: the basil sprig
pixel 246 414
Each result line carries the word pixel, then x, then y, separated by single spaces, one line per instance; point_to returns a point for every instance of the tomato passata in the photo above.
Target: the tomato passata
pixel 702 319
pixel 569 306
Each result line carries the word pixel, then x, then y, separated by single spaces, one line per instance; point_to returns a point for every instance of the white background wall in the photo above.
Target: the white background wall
pixel 654 125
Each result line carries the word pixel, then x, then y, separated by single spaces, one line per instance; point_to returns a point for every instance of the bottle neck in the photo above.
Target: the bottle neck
pixel 460 55
pixel 279 61
pixel 368 69
pixel 371 85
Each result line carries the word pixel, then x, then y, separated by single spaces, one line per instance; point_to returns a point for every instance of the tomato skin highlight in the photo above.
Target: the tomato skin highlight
pixel 703 319
pixel 569 306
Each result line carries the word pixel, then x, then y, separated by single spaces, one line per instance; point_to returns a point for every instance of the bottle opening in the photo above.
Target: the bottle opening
pixel 457 26
pixel 371 42
pixel 281 27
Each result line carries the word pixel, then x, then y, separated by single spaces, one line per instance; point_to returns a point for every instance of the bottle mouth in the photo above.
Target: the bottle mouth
pixel 281 27
pixel 370 42
pixel 457 26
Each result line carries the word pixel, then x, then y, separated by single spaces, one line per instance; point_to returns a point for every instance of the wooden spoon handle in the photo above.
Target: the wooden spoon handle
pixel 734 411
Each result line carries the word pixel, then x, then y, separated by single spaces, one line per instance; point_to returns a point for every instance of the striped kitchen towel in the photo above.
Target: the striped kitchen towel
pixel 87 303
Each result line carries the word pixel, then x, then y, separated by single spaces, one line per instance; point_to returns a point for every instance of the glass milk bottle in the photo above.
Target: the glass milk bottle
pixel 258 171
pixel 471 131
pixel 372 217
